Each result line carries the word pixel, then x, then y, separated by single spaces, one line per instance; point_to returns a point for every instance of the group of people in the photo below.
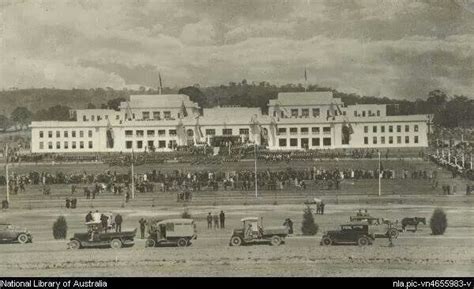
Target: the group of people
pixel 100 222
pixel 217 219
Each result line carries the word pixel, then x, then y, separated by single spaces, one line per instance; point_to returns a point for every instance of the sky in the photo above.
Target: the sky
pixel 399 49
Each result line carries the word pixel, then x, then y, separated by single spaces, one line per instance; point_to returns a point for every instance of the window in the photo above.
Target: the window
pixel 326 141
pixel 282 142
pixel 326 130
pixel 150 133
pixel 84 118
pixel 366 140
pixel 415 140
pixel 90 144
pixel 66 145
pixel 244 131
pixel 90 133
pixel 92 117
pixel 41 134
pixel 374 129
pixel 128 144
pixel 73 133
pixel 139 144
pixel 50 145
pixel 293 130
pixel 210 131
pixel 190 133
pixel 407 139
pixel 73 144
pixel 305 112
pixel 374 140
pixel 145 115
pixel 162 132
pixel 58 133
pixel 382 128
pixel 315 130
pixel 50 134
pixel 316 112
pixel 407 128
pixel 282 130
pixel 156 115
pixel 139 133
pixel 294 112
pixel 370 112
pixel 41 145
pixel 293 142
pixel 167 114
pixel 81 145
pixel 162 144
pixel 390 128
pixel 382 140
pixel 81 133
pixel 150 144
pixel 117 117
pixel 304 130
pixel 415 128
pixel 378 112
pixel 128 133
pixel 390 139
pixel 399 128
pixel 399 139
pixel 355 113
pixel 363 113
pixel 227 131
pixel 366 129
pixel 66 133
pixel 315 141
pixel 172 132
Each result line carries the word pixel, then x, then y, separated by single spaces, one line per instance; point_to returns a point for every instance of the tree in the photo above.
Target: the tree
pixel 115 103
pixel 438 222
pixel 90 105
pixel 60 228
pixel 309 227
pixel 57 112
pixel 195 95
pixel 21 116
pixel 4 123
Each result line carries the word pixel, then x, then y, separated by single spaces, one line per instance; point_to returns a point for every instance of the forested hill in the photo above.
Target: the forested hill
pixel 45 102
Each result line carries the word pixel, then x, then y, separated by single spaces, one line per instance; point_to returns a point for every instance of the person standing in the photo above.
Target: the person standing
pixel 142 227
pixel 89 217
pixel 96 216
pixel 209 221
pixel 322 207
pixel 104 222
pixel 222 219
pixel 118 223
pixel 216 221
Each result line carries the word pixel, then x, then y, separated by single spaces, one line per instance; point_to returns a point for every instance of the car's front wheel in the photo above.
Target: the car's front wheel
pixel 150 243
pixel 235 241
pixel 363 241
pixel 22 238
pixel 326 241
pixel 393 233
pixel 116 244
pixel 74 244
pixel 275 241
pixel 182 242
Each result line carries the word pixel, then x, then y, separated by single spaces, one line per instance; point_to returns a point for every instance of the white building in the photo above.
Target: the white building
pixel 295 121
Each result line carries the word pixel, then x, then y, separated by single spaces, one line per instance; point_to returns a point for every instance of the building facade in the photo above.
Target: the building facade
pixel 295 121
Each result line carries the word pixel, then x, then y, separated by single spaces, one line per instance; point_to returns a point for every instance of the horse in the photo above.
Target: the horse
pixel 413 222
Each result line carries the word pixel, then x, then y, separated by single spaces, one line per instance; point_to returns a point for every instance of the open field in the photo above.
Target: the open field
pixel 414 254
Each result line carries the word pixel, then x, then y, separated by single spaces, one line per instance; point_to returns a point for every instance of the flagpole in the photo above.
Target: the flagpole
pixel 380 178
pixel 256 192
pixel 133 175
pixel 6 173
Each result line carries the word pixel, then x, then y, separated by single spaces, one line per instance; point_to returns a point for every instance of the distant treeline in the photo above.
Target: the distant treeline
pixel 21 106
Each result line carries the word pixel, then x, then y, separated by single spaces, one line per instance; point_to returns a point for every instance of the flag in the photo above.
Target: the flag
pixel 183 112
pixel 338 109
pixel 129 112
pixel 331 112
pixel 181 132
pixel 254 126
pixel 273 130
pixel 110 135
pixel 197 131
pixel 381 169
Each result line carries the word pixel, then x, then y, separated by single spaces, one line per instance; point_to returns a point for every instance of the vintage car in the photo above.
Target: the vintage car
pixel 352 233
pixel 252 232
pixel 102 239
pixel 379 227
pixel 12 234
pixel 172 232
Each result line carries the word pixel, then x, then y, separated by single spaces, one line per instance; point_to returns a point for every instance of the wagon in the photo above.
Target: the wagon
pixel 113 240
pixel 172 232
pixel 252 232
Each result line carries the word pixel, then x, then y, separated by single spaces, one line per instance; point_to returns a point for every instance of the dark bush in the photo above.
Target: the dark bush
pixel 186 215
pixel 438 222
pixel 309 227
pixel 60 228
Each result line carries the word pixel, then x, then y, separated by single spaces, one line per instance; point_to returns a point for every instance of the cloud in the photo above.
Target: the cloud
pixel 200 33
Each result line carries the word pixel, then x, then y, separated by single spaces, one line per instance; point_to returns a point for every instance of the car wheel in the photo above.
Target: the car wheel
pixel 326 241
pixel 116 244
pixel 74 244
pixel 22 238
pixel 235 241
pixel 182 242
pixel 275 241
pixel 363 241
pixel 150 243
pixel 393 233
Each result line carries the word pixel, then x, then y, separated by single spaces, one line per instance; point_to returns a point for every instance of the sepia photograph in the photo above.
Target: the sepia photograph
pixel 236 138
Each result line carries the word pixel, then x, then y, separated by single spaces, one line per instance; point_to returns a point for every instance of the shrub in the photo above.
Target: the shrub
pixel 186 215
pixel 60 228
pixel 309 227
pixel 438 222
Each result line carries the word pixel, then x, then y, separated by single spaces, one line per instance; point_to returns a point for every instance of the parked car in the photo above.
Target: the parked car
pixel 13 234
pixel 349 234
pixel 380 228
pixel 101 239
pixel 172 232
pixel 252 232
